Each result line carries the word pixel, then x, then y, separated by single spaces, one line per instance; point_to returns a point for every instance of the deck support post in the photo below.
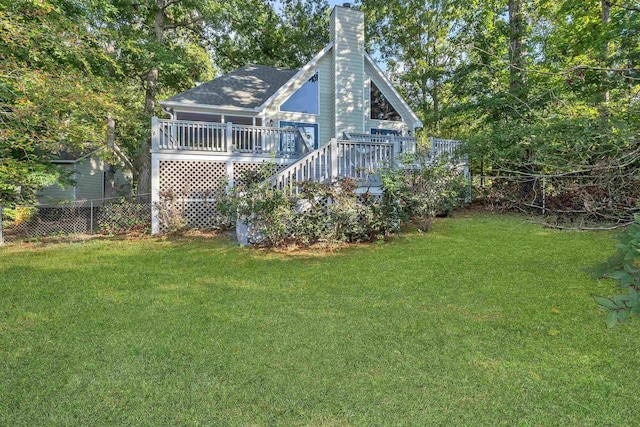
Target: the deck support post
pixel 155 134
pixel 229 171
pixel 334 158
pixel 228 137
pixel 396 148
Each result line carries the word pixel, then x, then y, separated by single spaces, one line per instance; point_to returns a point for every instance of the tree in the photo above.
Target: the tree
pixel 414 40
pixel 53 96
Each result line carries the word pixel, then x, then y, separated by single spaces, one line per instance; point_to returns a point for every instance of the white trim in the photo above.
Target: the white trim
pixel 335 90
pixel 364 87
pixel 414 116
pixel 222 157
pixel 309 65
pixel 194 106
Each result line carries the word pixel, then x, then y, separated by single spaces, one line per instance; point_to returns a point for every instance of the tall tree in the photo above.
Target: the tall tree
pixel 414 40
pixel 54 96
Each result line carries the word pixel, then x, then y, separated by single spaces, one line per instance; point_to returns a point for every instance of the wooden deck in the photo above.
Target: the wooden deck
pixel 193 158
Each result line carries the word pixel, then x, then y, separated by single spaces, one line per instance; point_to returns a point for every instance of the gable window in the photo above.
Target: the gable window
pixel 381 108
pixel 305 99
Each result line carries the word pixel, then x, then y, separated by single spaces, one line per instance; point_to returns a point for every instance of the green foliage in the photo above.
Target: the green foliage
pixel 170 210
pixel 53 96
pixel 624 267
pixel 336 212
pixel 330 213
pixel 123 216
pixel 426 188
pixel 576 101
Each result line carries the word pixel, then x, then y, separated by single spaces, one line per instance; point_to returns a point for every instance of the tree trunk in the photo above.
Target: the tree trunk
pixel 110 174
pixel 150 102
pixel 606 9
pixel 436 105
pixel 517 72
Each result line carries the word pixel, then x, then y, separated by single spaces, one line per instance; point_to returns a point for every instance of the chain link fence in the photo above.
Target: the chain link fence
pixel 108 216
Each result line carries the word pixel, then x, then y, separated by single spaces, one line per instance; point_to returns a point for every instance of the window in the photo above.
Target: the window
pixel 381 108
pixel 375 131
pixel 305 99
pixel 310 130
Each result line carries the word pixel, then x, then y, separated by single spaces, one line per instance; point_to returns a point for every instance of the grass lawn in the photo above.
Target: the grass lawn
pixel 486 320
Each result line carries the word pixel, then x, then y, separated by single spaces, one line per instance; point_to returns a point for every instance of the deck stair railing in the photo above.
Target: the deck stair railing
pixel 361 161
pixel 186 135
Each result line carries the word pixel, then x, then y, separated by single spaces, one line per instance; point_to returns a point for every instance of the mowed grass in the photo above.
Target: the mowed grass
pixel 486 320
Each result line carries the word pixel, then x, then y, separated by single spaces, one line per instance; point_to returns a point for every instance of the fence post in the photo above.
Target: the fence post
pixel 91 217
pixel 1 235
pixel 544 194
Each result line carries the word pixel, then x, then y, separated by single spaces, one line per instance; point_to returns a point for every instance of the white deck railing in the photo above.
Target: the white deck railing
pixel 189 135
pixel 316 166
pixel 186 135
pixel 404 144
pixel 363 160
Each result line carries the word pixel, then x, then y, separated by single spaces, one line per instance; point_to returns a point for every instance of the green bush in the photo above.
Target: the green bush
pixel 425 189
pixel 624 267
pixel 170 210
pixel 124 216
pixel 335 212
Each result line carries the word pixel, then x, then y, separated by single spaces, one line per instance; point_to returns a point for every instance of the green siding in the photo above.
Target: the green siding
pixel 56 193
pixel 90 178
pixel 348 38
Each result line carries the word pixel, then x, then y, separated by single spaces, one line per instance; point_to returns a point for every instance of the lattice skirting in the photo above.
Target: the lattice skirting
pixel 190 178
pixel 199 180
pixel 240 170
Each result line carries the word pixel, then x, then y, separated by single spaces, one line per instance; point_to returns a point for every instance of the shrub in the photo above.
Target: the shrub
pixel 124 216
pixel 170 211
pixel 623 266
pixel 20 214
pixel 425 189
pixel 335 212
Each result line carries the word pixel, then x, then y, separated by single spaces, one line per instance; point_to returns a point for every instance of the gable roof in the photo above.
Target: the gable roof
pixel 74 156
pixel 247 87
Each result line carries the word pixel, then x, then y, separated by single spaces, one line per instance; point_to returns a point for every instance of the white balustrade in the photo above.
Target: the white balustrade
pixel 186 135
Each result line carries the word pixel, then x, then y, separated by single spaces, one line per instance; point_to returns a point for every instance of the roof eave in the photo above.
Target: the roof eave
pixel 190 105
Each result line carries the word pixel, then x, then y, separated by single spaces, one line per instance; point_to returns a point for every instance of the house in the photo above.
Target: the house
pixel 91 176
pixel 338 116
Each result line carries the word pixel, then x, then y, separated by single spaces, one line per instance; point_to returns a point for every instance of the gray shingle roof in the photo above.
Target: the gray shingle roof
pixel 246 87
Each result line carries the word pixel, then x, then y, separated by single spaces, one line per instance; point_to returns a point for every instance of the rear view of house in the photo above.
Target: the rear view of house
pixel 338 116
